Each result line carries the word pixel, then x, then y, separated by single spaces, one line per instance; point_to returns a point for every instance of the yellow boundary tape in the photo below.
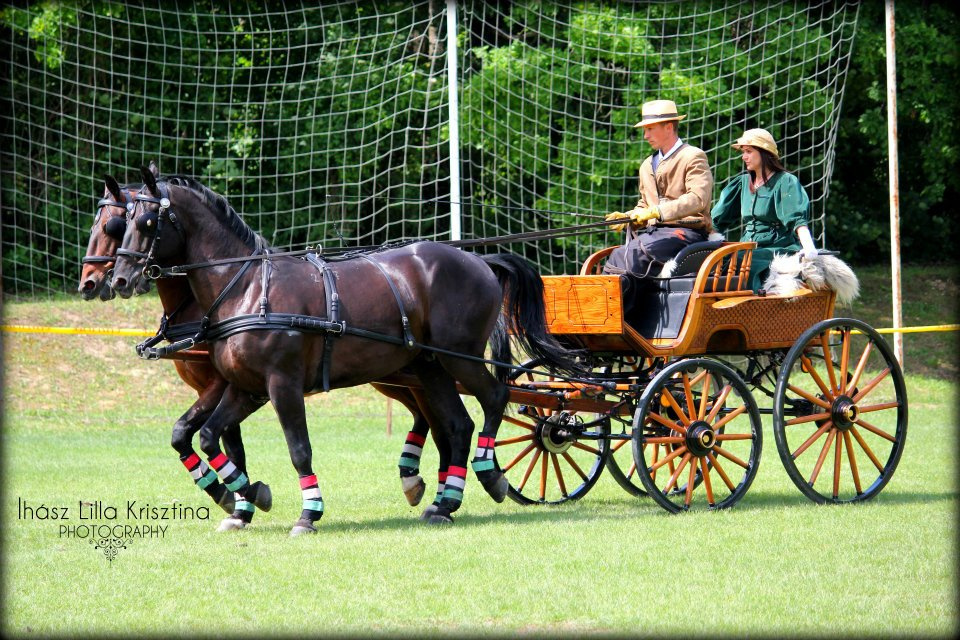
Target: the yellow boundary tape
pixel 80 331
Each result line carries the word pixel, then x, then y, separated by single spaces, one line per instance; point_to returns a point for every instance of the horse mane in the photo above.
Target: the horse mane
pixel 220 207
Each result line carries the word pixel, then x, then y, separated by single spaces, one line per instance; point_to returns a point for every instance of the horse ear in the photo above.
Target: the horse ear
pixel 149 179
pixel 113 187
pixel 154 169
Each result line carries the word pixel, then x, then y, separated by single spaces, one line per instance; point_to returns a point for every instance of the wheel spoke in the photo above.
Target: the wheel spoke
pixel 688 394
pixel 870 385
pixel 853 462
pixel 844 361
pixel 813 417
pixel 670 424
pixel 518 422
pixel 705 470
pixel 809 396
pixel 690 479
pixel 514 440
pixel 828 361
pixel 861 365
pixel 543 475
pixel 730 416
pixel 676 407
pixel 823 455
pixel 667 459
pixel 869 427
pixel 726 454
pixel 719 403
pixel 866 449
pixel 673 479
pixel 878 407
pixel 723 474
pixel 734 436
pixel 519 457
pixel 809 441
pixel 526 475
pixel 838 448
pixel 617 445
pixel 663 440
pixel 556 468
pixel 704 395
pixel 572 463
pixel 812 372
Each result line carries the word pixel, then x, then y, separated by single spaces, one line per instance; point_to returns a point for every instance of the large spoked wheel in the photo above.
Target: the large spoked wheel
pixel 697 436
pixel 840 412
pixel 549 456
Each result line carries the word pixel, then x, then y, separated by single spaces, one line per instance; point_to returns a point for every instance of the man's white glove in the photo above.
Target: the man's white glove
pixel 806 241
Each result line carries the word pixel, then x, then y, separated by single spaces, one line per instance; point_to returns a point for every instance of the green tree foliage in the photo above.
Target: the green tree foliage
pixel 928 110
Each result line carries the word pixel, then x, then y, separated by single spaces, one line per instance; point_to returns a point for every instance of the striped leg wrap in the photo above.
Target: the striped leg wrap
pixel 203 476
pixel 410 456
pixel 453 488
pixel 312 500
pixel 243 510
pixel 483 458
pixel 441 484
pixel 235 479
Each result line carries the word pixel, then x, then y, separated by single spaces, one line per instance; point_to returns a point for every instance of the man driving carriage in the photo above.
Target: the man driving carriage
pixel 676 187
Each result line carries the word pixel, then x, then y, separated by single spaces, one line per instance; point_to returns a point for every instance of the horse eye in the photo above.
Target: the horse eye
pixel 115 227
pixel 147 223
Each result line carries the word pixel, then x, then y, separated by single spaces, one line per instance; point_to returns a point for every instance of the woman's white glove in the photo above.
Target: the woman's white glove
pixel 806 241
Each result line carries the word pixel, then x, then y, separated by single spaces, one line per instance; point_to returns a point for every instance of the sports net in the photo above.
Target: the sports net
pixel 331 124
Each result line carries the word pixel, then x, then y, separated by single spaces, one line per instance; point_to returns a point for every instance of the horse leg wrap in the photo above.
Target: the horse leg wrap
pixel 410 456
pixel 453 488
pixel 312 501
pixel 232 477
pixel 492 479
pixel 243 510
pixel 432 508
pixel 206 478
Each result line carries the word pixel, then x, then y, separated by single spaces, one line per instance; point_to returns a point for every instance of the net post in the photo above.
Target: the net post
pixel 454 120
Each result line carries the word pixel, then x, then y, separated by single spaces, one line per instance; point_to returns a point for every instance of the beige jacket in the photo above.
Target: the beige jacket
pixel 682 187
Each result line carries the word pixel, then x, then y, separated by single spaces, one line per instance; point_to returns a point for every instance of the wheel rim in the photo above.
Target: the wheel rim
pixel 542 452
pixel 621 463
pixel 840 412
pixel 697 435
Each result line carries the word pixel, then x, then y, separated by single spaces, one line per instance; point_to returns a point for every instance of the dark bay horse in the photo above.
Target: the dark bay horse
pixel 426 307
pixel 180 308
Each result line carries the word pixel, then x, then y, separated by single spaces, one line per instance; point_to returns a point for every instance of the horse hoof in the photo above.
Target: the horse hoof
pixel 440 519
pixel 227 502
pixel 232 524
pixel 302 527
pixel 498 488
pixel 413 489
pixel 262 496
pixel 428 512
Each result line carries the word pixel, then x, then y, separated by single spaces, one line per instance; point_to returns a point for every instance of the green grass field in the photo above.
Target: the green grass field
pixel 86 421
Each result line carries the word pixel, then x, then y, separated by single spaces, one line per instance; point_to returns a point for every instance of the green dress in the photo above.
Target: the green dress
pixel 770 218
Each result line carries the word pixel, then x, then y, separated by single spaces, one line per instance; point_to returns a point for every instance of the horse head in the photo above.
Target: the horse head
pixel 109 225
pixel 152 235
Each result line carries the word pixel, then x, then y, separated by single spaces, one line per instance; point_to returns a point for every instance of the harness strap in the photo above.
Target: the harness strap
pixel 333 315
pixel 404 320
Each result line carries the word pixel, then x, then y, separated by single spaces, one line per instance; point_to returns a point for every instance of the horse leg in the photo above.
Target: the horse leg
pixel 441 438
pixel 287 397
pixel 233 408
pixel 492 396
pixel 453 424
pixel 182 441
pixel 244 509
pixel 410 479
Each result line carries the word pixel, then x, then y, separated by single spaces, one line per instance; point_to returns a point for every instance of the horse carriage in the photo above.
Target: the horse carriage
pixel 671 378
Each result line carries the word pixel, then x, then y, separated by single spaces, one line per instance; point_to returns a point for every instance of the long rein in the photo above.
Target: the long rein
pixel 275 320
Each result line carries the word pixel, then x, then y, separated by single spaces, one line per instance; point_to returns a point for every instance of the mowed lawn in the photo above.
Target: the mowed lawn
pixel 86 421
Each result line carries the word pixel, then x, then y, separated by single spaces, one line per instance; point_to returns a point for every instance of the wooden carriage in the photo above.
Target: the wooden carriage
pixel 668 407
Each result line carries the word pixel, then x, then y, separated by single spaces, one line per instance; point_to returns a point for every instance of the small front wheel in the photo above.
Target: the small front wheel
pixel 697 436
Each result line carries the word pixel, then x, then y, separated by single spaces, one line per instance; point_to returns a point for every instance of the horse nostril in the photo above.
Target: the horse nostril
pixel 119 283
pixel 87 285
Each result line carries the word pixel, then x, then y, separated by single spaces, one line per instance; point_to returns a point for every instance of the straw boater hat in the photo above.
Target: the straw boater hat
pixel 758 138
pixel 659 111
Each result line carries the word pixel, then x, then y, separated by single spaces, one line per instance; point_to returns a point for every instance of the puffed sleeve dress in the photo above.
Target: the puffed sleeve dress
pixel 770 217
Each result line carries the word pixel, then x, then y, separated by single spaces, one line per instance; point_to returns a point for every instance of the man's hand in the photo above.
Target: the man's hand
pixel 641 216
pixel 619 215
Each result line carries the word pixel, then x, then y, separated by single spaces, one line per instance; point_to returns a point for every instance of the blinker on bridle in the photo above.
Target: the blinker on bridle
pixel 115 227
pixel 153 222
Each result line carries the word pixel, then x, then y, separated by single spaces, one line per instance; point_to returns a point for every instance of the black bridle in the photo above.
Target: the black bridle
pixel 165 214
pixel 115 231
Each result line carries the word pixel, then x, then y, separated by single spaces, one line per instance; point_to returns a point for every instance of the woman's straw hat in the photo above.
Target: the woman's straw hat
pixel 659 111
pixel 758 138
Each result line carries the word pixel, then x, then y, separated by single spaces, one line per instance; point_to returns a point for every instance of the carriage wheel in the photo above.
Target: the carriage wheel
pixel 620 463
pixel 542 452
pixel 840 412
pixel 697 436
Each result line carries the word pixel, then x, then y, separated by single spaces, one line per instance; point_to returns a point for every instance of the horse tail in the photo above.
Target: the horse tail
pixel 524 314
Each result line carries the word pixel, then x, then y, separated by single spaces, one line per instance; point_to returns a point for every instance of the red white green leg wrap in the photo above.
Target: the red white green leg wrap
pixel 204 477
pixel 312 500
pixel 453 488
pixel 231 476
pixel 410 456
pixel 441 484
pixel 244 509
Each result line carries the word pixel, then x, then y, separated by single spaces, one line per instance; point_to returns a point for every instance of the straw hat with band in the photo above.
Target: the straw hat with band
pixel 657 111
pixel 758 138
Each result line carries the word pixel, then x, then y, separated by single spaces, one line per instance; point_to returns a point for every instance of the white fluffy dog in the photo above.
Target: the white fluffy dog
pixel 790 273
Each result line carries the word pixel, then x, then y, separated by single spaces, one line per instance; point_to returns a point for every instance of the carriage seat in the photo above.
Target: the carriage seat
pixel 655 307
